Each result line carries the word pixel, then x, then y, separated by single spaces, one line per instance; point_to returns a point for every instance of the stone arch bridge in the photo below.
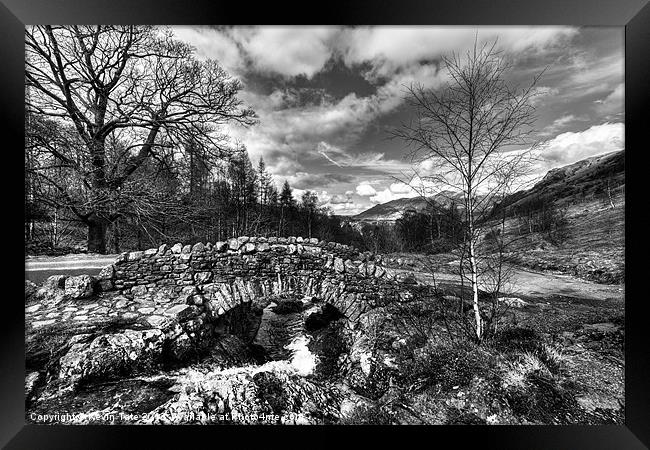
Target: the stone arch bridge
pixel 172 302
pixel 211 279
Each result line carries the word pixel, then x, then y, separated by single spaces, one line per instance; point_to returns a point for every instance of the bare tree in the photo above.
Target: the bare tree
pixel 477 130
pixel 133 85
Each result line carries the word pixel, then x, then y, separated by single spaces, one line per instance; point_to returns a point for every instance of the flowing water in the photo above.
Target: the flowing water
pixel 282 336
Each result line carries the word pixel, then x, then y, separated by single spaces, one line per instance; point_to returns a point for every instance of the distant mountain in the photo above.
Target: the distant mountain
pixel 393 210
pixel 559 185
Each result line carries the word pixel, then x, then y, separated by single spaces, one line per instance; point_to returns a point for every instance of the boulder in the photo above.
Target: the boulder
pixel 106 273
pixel 80 286
pixel 111 354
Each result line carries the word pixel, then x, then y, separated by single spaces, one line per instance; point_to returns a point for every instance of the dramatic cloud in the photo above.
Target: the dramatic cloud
pixel 567 148
pixel 327 97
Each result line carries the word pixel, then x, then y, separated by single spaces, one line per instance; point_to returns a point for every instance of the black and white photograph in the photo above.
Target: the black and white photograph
pixel 324 225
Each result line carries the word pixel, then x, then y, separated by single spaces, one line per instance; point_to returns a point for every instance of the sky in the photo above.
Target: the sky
pixel 327 98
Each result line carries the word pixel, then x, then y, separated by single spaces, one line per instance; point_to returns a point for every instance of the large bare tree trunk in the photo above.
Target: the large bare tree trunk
pixel 97 236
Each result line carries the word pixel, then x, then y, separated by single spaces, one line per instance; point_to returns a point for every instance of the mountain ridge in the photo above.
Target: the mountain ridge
pixel 557 185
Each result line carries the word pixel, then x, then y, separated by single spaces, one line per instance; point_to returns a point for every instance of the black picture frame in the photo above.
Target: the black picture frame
pixel 634 15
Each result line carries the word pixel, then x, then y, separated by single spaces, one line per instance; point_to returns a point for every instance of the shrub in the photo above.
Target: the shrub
pixel 446 366
pixel 543 400
pixel 517 339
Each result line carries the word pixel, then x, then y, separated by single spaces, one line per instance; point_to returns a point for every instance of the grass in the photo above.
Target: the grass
pixel 520 376
pixel 594 248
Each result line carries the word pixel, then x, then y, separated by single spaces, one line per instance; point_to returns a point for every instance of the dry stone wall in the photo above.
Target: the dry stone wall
pixel 211 279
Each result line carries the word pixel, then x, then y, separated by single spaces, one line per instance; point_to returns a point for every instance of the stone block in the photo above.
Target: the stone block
pixel 80 286
pixel 134 256
pixel 339 265
pixel 233 244
pixel 203 277
pixel 180 312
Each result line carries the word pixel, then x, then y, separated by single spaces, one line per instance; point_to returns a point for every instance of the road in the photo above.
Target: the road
pixel 531 283
pixel 38 268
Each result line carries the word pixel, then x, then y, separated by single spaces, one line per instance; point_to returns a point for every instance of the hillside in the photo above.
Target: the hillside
pixel 565 185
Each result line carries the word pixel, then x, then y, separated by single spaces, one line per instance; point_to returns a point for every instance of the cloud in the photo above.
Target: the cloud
pixel 347 209
pixel 593 75
pixel 305 180
pixel 540 94
pixel 613 104
pixel 304 50
pixel 369 160
pixel 383 196
pixel 400 188
pixel 365 190
pixel 389 48
pixel 288 51
pixel 561 123
pixel 213 44
pixel 567 148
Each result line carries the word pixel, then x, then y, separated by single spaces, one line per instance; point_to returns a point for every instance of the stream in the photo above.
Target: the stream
pixel 282 334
